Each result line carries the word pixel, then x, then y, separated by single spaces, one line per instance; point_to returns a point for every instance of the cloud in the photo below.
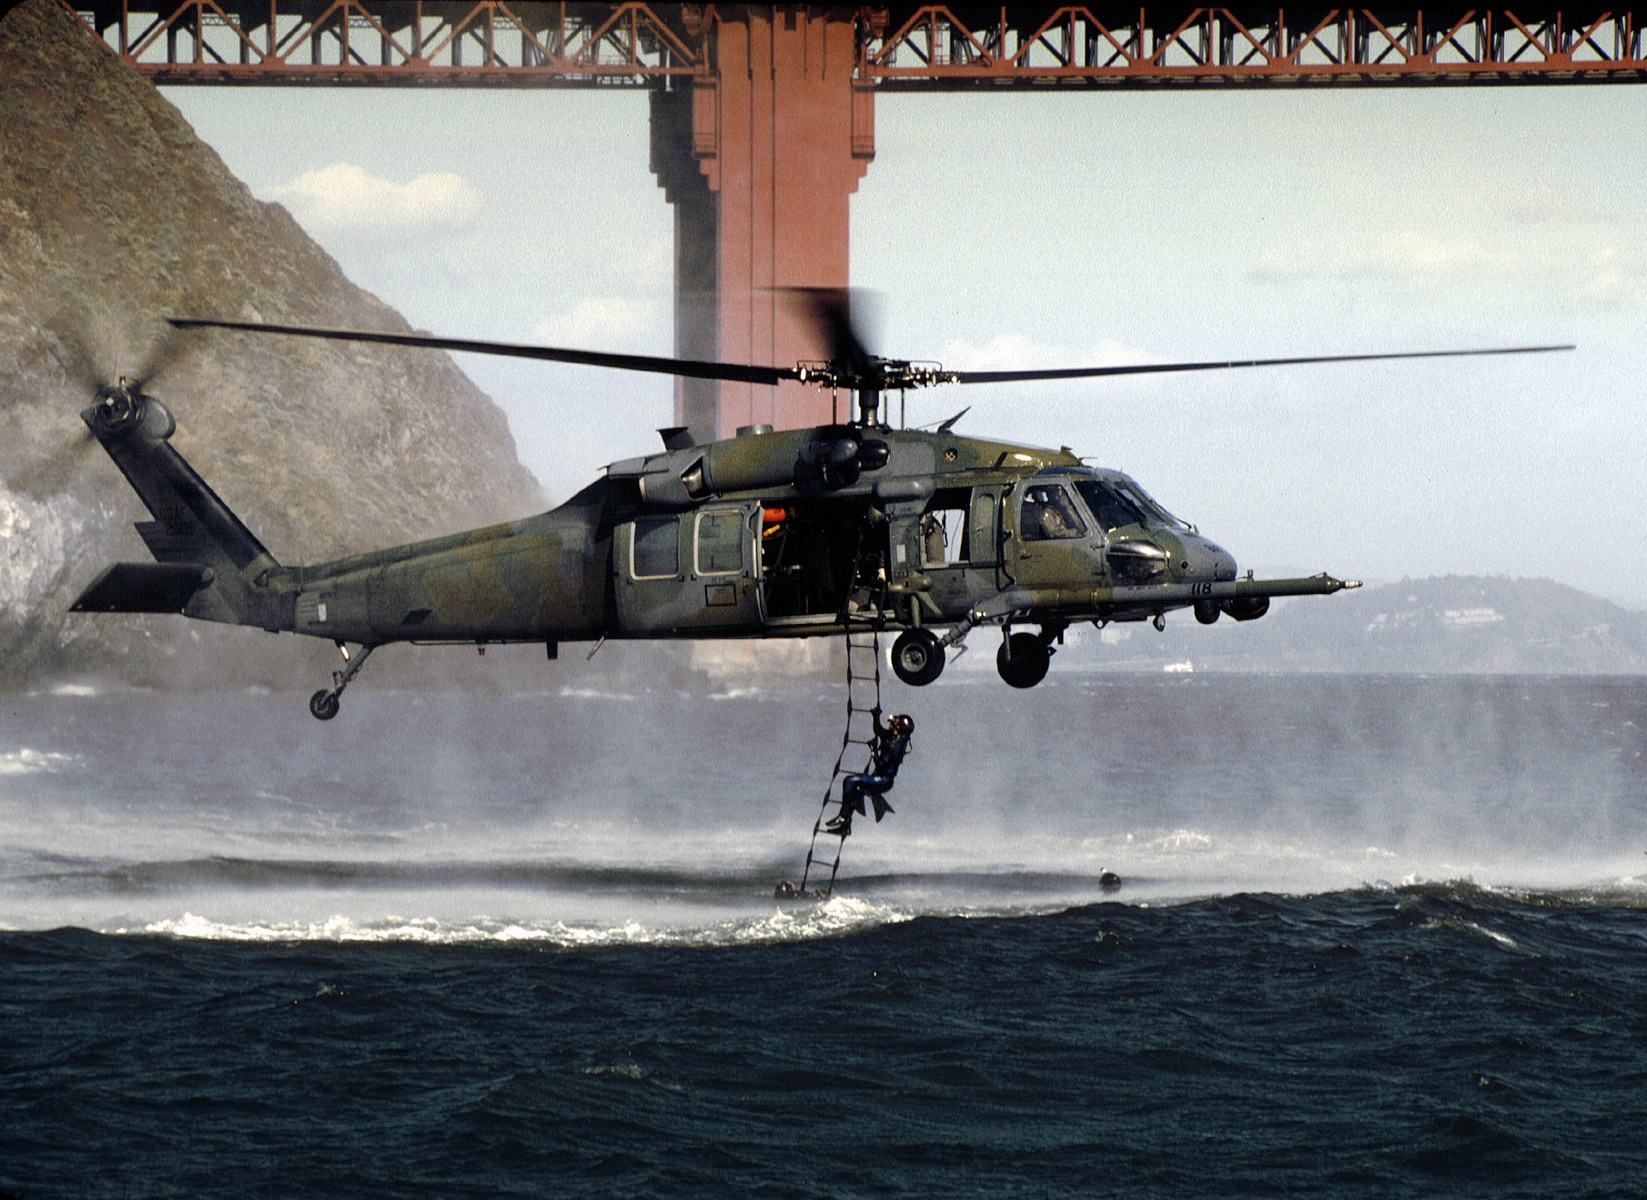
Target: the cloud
pixel 344 197
pixel 1601 278
pixel 1549 205
pixel 1611 277
pixel 601 323
pixel 1406 255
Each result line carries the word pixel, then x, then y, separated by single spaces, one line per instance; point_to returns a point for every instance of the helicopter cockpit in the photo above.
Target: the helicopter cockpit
pixel 1136 539
pixel 1119 501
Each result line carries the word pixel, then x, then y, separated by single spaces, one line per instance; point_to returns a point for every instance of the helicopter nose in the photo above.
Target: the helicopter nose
pixel 1204 560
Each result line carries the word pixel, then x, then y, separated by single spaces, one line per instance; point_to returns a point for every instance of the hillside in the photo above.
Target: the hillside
pixel 1450 624
pixel 113 214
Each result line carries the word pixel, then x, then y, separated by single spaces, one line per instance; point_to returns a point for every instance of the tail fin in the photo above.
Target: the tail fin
pixel 208 564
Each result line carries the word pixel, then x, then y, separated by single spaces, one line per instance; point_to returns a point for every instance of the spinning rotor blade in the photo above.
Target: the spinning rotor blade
pixel 51 474
pixel 829 310
pixel 88 373
pixel 167 350
pixel 80 368
pixel 732 372
pixel 1163 368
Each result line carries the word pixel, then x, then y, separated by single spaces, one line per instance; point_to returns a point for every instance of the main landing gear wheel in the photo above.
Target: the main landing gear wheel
pixel 1023 660
pixel 323 704
pixel 917 657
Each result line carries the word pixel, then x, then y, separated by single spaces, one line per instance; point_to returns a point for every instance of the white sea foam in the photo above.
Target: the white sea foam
pixel 35 762
pixel 830 918
pixel 75 689
pixel 1503 939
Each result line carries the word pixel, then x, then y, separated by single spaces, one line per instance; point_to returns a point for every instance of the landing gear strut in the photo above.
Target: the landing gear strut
pixel 323 705
pixel 1023 658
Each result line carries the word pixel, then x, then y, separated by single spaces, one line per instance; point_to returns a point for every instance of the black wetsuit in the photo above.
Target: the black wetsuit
pixel 886 754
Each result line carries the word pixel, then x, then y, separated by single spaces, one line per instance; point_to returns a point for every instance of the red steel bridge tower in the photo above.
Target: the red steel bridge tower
pixel 763 116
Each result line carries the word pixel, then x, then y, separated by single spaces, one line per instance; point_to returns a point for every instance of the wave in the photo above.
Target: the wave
pixel 838 916
pixel 580 908
pixel 251 874
pixel 734 880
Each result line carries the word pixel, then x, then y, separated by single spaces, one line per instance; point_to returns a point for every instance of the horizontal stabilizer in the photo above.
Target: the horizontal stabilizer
pixel 143 588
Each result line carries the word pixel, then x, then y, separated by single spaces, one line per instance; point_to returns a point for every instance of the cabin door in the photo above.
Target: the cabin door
pixel 688 572
pixel 983 534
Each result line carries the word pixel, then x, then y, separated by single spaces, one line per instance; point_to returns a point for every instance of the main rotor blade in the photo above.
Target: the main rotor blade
pixel 1163 368
pixel 691 369
pixel 829 311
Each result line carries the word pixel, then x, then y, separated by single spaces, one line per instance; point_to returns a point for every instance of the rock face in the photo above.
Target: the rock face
pixel 114 215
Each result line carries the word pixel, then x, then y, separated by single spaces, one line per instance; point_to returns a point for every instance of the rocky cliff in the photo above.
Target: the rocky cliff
pixel 114 215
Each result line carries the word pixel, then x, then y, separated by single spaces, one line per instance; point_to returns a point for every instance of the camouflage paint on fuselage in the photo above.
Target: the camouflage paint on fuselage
pixel 766 535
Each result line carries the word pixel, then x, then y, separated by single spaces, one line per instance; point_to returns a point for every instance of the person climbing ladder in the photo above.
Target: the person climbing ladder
pixel 886 754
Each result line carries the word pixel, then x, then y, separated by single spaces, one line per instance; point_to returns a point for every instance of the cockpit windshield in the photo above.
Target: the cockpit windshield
pixel 1118 502
pixel 1112 509
pixel 1148 504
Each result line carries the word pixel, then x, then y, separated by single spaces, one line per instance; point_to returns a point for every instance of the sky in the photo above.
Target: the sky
pixel 1088 227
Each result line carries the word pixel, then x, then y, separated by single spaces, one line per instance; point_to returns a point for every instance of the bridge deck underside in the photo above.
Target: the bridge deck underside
pixel 490 43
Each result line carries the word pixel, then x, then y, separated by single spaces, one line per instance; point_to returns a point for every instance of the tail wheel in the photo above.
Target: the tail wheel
pixel 323 705
pixel 1023 660
pixel 917 657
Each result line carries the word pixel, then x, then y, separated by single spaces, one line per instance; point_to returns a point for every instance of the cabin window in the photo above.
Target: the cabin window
pixel 720 542
pixel 943 529
pixel 1048 513
pixel 657 548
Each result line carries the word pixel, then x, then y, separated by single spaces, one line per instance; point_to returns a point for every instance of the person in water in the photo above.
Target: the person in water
pixel 886 754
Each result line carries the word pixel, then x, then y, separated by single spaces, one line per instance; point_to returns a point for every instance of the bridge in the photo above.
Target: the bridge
pixel 763 116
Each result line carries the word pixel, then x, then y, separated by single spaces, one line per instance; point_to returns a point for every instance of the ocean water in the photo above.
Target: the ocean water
pixel 1377 936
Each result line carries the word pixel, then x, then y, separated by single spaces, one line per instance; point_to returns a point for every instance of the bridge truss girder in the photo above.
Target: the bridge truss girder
pixel 492 43
pixel 480 43
pixel 932 49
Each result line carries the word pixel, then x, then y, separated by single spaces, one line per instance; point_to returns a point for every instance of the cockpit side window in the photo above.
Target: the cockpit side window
pixel 1048 513
pixel 1110 505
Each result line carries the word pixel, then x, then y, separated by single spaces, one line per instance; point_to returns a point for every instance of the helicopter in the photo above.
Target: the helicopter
pixel 769 534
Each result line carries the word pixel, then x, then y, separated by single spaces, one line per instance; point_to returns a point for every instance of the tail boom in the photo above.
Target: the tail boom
pixel 207 563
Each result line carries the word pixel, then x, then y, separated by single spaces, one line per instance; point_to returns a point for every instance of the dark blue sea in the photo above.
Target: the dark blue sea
pixel 1377 937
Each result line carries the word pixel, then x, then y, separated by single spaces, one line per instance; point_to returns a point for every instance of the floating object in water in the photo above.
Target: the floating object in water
pixel 786 890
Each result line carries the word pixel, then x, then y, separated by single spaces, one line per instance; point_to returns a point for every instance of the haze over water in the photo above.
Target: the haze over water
pixel 1376 932
pixel 528 812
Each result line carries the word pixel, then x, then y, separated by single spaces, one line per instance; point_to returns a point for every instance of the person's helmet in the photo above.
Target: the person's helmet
pixel 904 723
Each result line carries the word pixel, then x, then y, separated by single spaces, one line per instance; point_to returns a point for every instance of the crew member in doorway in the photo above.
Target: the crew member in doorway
pixel 886 754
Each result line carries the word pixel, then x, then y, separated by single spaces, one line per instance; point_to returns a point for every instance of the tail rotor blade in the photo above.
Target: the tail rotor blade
pixel 52 474
pixel 80 367
pixel 170 346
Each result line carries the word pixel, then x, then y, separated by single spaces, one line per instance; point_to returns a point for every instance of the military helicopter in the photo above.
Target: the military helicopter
pixel 793 533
